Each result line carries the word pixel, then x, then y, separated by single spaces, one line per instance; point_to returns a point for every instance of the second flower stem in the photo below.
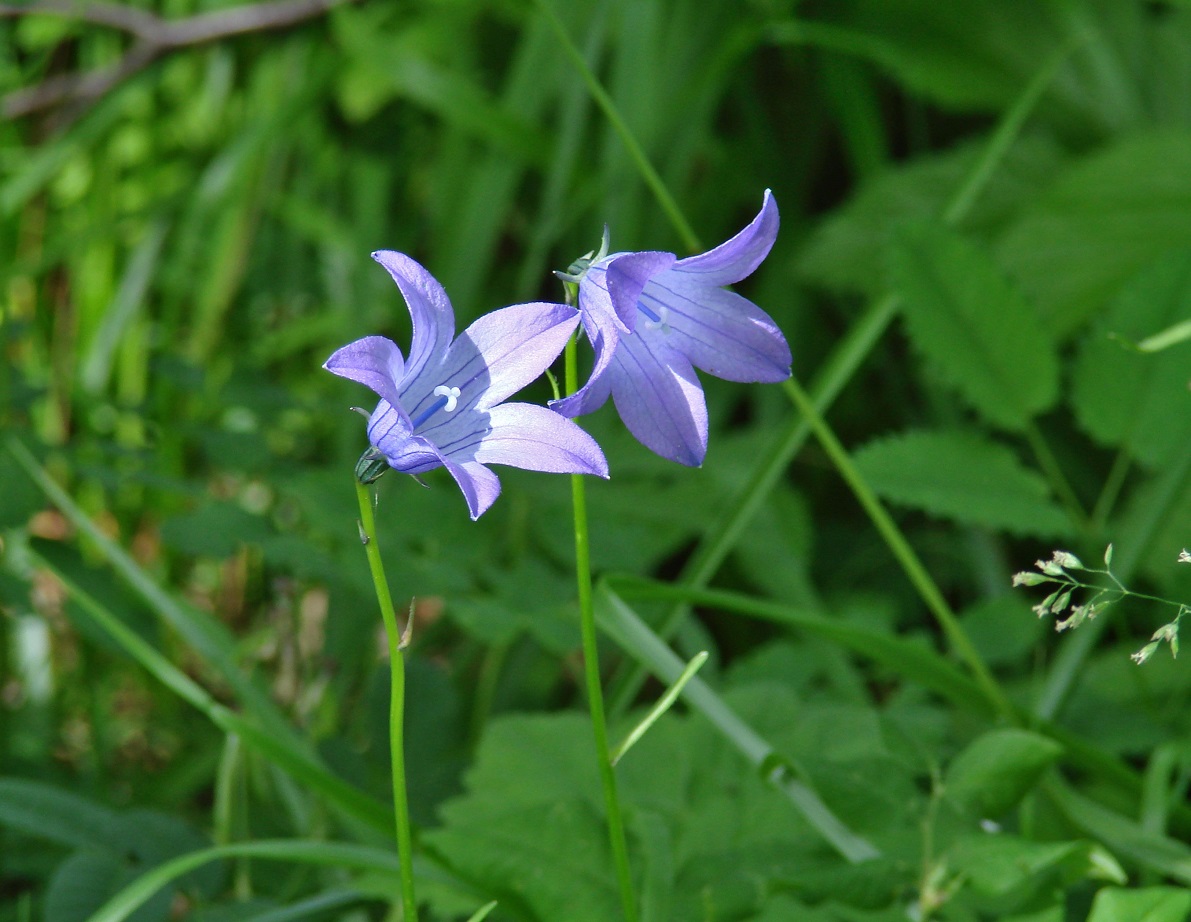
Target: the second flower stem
pixel 591 668
pixel 396 702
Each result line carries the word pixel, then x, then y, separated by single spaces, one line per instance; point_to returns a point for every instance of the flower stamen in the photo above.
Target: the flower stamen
pixel 452 395
pixel 448 399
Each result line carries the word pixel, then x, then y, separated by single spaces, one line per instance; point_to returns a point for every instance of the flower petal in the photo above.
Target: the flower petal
pixel 718 330
pixel 537 439
pixel 604 335
pixel 429 308
pixel 372 361
pixel 479 485
pixel 626 275
pixel 389 429
pixel 505 350
pixel 659 398
pixel 736 258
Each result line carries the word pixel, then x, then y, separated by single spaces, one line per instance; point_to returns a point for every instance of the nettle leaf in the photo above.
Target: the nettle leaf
pixel 844 248
pixel 1136 401
pixel 1148 904
pixel 997 770
pixel 1105 218
pixel 963 477
pixel 975 328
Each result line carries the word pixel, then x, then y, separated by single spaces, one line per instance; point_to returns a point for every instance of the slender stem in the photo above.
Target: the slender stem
pixel 591 668
pixel 396 702
pixel 1058 480
pixel 928 590
pixel 690 239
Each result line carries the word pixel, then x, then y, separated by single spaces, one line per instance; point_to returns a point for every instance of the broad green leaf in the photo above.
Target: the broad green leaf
pixel 1168 856
pixel 851 240
pixel 973 327
pixel 1001 872
pixel 88 879
pixel 529 828
pixel 47 811
pixel 1103 220
pixel 963 477
pixel 1147 904
pixel 997 770
pixel 975 55
pixel 1138 402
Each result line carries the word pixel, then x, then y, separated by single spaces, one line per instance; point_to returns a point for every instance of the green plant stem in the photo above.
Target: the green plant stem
pixel 690 239
pixel 1058 480
pixel 897 543
pixel 591 669
pixel 396 702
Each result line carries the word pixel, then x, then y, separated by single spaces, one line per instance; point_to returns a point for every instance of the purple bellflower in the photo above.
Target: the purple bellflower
pixel 653 318
pixel 443 407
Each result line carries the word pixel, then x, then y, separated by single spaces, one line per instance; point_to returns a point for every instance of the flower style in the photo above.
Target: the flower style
pixel 651 316
pixel 444 406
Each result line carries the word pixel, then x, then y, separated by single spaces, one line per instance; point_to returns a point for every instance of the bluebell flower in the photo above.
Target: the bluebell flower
pixel 653 318
pixel 444 406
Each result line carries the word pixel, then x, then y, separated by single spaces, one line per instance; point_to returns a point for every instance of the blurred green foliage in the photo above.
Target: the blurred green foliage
pixel 1010 178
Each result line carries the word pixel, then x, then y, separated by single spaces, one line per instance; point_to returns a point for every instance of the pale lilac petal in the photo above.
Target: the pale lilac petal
pixel 390 431
pixel 626 275
pixel 504 351
pixel 429 308
pixel 721 332
pixel 372 361
pixel 479 485
pixel 537 439
pixel 603 335
pixel 736 258
pixel 659 398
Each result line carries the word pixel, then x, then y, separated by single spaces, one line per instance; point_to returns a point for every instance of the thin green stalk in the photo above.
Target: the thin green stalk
pixel 396 701
pixel 689 238
pixel 838 371
pixel 591 669
pixel 722 535
pixel 1057 479
pixel 896 541
pixel 1111 490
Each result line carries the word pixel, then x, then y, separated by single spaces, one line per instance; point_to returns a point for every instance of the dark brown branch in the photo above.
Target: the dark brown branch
pixel 155 36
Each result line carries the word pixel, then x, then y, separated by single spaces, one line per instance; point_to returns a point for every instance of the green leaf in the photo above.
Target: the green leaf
pixel 963 477
pixel 1139 402
pixel 88 879
pixel 975 329
pixel 997 770
pixel 1147 904
pixel 49 812
pixel 1103 220
pixel 853 238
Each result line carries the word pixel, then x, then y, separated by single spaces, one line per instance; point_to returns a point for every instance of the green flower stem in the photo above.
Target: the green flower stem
pixel 396 702
pixel 721 537
pixel 689 238
pixel 897 543
pixel 591 668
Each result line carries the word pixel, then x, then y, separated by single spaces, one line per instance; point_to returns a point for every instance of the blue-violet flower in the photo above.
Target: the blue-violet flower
pixel 444 406
pixel 651 316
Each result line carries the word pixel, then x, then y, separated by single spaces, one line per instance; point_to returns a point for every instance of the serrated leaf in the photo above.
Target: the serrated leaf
pixel 844 248
pixel 1139 402
pixel 976 329
pixel 997 770
pixel 1105 218
pixel 1147 904
pixel 963 477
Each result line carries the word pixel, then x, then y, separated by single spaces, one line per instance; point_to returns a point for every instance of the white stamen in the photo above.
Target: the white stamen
pixel 452 395
pixel 660 321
